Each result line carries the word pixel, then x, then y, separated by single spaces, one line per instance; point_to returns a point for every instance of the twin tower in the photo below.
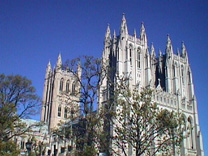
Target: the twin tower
pixel 168 74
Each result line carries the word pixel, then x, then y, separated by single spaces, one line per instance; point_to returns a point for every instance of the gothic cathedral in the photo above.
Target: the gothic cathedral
pixel 168 74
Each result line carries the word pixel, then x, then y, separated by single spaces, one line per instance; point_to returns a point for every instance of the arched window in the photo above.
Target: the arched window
pixel 67 86
pixel 174 74
pixel 61 84
pixel 130 54
pixel 130 57
pixel 73 88
pixel 138 58
pixel 182 74
pixel 59 111
pixel 65 112
pixel 189 76
pixel 191 133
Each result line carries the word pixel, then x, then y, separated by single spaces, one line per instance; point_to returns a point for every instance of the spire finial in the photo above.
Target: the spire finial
pixel 114 34
pixel 152 49
pixel 143 28
pixel 168 40
pixel 123 16
pixel 135 32
pixel 107 34
pixel 59 61
pixel 184 52
pixel 178 52
pixel 124 29
pixel 48 69
pixel 160 52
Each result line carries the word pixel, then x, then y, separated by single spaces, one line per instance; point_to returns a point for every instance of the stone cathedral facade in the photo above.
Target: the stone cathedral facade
pixel 169 75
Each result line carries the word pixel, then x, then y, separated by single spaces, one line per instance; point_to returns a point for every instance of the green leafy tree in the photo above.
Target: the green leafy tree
pixel 140 125
pixel 8 148
pixel 18 100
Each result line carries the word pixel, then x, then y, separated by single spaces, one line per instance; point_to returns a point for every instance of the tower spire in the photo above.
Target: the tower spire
pixel 114 34
pixel 108 34
pixel 184 52
pixel 153 55
pixel 123 29
pixel 48 69
pixel 59 62
pixel 143 35
pixel 135 33
pixel 169 48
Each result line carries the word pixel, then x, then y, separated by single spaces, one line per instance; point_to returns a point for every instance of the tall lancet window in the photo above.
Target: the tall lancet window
pixel 174 74
pixel 61 84
pixel 182 74
pixel 189 76
pixel 65 112
pixel 73 88
pixel 130 54
pixel 191 137
pixel 67 86
pixel 138 58
pixel 59 111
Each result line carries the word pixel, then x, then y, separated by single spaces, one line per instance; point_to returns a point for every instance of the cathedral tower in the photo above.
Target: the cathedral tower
pixel 59 94
pixel 169 75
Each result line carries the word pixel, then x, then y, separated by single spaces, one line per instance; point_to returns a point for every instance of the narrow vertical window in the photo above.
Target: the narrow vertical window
pixel 138 58
pixel 191 133
pixel 61 84
pixel 59 111
pixel 67 86
pixel 174 74
pixel 65 112
pixel 130 53
pixel 189 76
pixel 182 74
pixel 73 87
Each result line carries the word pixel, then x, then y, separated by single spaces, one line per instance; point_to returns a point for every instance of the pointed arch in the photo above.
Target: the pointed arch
pixel 65 112
pixel 67 86
pixel 74 87
pixel 191 135
pixel 138 58
pixel 182 74
pixel 59 111
pixel 130 53
pixel 61 84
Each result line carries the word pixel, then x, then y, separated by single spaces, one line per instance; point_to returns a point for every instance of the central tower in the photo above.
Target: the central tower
pixel 169 76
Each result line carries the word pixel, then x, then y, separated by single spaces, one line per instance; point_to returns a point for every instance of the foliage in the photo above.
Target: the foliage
pixel 141 125
pixel 18 100
pixel 137 122
pixel 8 148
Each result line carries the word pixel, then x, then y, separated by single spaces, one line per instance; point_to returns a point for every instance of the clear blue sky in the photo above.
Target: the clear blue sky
pixel 32 32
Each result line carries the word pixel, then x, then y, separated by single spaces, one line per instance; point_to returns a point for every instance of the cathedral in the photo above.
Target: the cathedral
pixel 168 74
